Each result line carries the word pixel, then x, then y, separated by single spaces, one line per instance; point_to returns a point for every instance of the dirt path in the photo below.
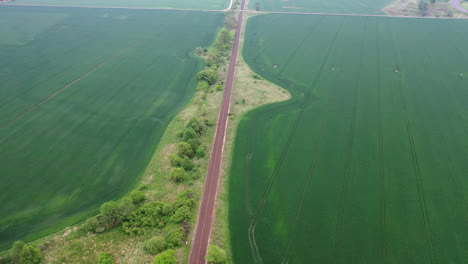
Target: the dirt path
pixel 456 5
pixel 206 212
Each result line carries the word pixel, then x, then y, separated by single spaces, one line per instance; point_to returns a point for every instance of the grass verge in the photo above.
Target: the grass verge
pixel 250 91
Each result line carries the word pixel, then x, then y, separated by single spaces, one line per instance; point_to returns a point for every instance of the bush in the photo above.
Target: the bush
pixel 105 258
pixel 183 199
pixel 182 214
pixel 175 237
pixel 201 152
pixel 175 160
pixel 15 252
pixel 187 163
pixel 178 174
pixel 203 85
pixel 209 75
pixel 166 257
pixel 195 124
pixel 155 245
pixel 30 255
pixel 148 216
pixel 216 255
pixel 194 143
pixel 185 149
pixel 137 197
pixel 189 133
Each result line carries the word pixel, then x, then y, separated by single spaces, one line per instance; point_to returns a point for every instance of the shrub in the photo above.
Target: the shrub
pixel 175 160
pixel 187 163
pixel 201 152
pixel 185 149
pixel 16 249
pixel 194 143
pixel 203 85
pixel 155 245
pixel 30 255
pixel 147 216
pixel 195 124
pixel 216 255
pixel 182 214
pixel 209 75
pixel 166 257
pixel 137 197
pixel 175 237
pixel 178 174
pixel 189 133
pixel 105 258
pixel 183 199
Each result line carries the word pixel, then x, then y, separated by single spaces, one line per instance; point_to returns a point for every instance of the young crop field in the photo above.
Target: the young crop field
pixel 85 95
pixel 322 6
pixel 183 4
pixel 367 163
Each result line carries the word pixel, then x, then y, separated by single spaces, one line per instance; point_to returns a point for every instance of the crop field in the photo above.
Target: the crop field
pixel 322 6
pixel 83 104
pixel 368 162
pixel 183 4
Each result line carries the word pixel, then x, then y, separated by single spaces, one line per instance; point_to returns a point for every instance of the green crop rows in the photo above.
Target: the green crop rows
pixel 184 4
pixel 322 6
pixel 368 162
pixel 62 157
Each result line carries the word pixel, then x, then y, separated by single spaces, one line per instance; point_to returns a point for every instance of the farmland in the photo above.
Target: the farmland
pixel 322 6
pixel 182 4
pixel 367 162
pixel 85 96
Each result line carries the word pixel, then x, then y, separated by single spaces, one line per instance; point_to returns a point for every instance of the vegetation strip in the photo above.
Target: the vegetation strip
pixel 206 212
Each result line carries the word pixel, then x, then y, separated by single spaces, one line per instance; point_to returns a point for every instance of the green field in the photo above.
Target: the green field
pixel 183 4
pixel 368 162
pixel 89 143
pixel 322 6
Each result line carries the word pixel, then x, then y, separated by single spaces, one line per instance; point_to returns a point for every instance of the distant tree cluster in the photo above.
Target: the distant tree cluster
pixel 423 7
pixel 188 149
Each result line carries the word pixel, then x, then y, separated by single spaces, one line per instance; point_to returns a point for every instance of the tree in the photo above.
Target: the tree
pixel 178 174
pixel 209 75
pixel 185 149
pixel 166 257
pixel 216 255
pixel 16 251
pixel 155 245
pixel 105 258
pixel 30 255
pixel 257 6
